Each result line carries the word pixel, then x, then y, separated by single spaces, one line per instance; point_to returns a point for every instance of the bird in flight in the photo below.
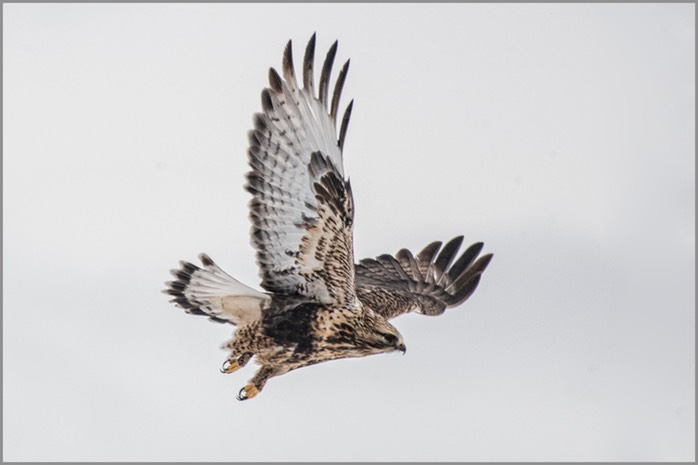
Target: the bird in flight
pixel 318 304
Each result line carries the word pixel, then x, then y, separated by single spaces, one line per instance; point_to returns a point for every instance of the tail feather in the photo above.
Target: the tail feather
pixel 212 292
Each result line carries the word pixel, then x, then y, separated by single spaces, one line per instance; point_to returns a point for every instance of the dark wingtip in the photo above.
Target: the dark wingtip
pixel 287 63
pixel 469 277
pixel 188 267
pixel 205 259
pixel 464 261
pixel 326 71
pixel 446 256
pixel 345 124
pixel 308 60
pixel 466 291
pixel 449 251
pixel 338 89
pixel 274 80
pixel 482 263
pixel 428 253
pixel 267 104
pixel 259 122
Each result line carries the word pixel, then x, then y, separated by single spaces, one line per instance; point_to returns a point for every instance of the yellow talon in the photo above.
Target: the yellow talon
pixel 248 392
pixel 230 366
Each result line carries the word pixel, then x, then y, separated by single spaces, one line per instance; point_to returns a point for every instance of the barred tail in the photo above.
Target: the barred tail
pixel 212 292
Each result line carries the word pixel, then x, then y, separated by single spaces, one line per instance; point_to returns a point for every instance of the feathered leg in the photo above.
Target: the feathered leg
pixel 257 383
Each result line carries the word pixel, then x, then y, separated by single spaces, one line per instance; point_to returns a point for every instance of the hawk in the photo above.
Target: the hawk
pixel 319 304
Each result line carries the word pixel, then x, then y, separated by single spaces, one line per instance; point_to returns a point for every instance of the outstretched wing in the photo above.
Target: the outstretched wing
pixel 427 284
pixel 302 207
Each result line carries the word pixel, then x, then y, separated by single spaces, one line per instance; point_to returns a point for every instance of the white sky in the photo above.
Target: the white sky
pixel 560 135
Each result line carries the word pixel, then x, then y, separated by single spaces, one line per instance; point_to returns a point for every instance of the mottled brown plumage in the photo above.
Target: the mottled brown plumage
pixel 319 305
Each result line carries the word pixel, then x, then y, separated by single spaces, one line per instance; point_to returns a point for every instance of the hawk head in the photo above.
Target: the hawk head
pixel 377 335
pixel 364 333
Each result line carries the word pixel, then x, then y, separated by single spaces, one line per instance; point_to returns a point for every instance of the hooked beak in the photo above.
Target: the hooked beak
pixel 402 348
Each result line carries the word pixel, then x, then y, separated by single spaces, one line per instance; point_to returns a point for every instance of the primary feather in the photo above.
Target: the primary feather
pixel 393 285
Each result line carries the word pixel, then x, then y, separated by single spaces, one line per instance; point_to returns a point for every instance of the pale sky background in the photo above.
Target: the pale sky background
pixel 560 135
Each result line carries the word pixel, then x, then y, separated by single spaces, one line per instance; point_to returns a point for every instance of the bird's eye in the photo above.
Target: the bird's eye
pixel 390 338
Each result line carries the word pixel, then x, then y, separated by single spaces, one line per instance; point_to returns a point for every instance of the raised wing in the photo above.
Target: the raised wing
pixel 427 284
pixel 302 208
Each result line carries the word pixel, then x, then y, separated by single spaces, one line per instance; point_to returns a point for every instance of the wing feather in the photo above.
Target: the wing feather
pixel 409 264
pixel 302 207
pixel 345 124
pixel 338 90
pixel 446 256
pixel 308 60
pixel 425 260
pixel 427 283
pixel 326 72
pixel 464 261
